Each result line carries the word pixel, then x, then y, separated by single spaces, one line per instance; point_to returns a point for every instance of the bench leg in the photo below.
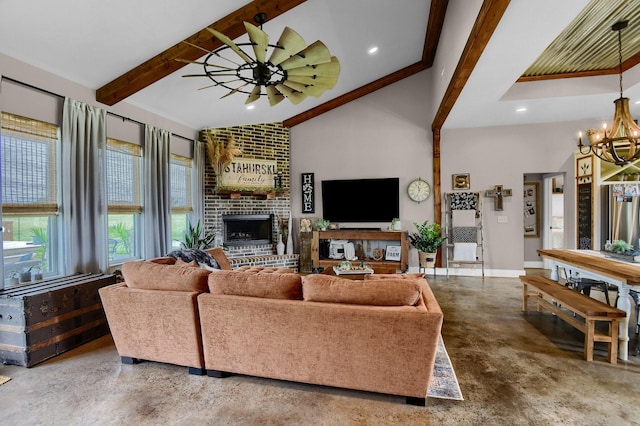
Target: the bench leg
pixel 613 344
pixel 525 297
pixel 588 339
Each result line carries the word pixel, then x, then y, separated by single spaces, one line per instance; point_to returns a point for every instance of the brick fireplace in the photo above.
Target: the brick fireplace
pixel 268 141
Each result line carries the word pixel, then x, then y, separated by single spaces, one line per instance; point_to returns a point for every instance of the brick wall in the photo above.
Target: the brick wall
pixel 268 141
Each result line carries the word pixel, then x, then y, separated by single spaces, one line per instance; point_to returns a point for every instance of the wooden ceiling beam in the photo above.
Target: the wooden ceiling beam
pixel 354 94
pixel 434 29
pixel 488 19
pixel 165 63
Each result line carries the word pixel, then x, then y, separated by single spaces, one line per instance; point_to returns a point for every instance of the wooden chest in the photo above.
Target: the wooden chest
pixel 40 321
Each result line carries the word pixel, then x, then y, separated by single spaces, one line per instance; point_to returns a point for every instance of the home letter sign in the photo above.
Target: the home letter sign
pixel 308 195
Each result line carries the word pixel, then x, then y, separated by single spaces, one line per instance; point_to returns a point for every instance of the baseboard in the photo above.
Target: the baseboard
pixel 470 272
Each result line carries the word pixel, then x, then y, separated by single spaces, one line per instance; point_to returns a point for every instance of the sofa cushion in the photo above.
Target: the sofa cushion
pixel 154 276
pixel 265 269
pixel 256 284
pixel 384 292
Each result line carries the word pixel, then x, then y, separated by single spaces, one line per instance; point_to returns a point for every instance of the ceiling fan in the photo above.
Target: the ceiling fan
pixel 293 70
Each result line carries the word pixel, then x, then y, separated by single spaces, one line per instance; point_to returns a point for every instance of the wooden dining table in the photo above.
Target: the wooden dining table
pixel 595 265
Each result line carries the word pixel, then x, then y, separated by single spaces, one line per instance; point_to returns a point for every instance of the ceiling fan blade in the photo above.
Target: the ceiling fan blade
pixel 260 41
pixel 314 91
pixel 226 40
pixel 254 96
pixel 187 61
pixel 235 90
pixel 293 96
pixel 207 75
pixel 316 53
pixel 274 96
pixel 323 82
pixel 329 69
pixel 195 46
pixel 289 44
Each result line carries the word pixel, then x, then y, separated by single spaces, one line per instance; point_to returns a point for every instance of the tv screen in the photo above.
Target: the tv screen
pixel 361 200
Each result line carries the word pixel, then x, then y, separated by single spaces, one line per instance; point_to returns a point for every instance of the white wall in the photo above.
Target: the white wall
pixel 500 156
pixel 384 134
pixel 27 102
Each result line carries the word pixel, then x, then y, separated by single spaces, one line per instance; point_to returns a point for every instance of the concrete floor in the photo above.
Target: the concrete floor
pixel 513 369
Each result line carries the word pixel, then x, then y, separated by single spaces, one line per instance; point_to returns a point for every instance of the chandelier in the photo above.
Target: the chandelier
pixel 618 144
pixel 293 70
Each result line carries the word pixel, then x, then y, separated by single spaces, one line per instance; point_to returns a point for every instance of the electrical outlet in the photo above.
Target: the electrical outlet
pixel 503 219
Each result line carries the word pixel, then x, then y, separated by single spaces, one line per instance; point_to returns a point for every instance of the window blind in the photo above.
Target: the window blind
pixel 180 176
pixel 123 177
pixel 29 166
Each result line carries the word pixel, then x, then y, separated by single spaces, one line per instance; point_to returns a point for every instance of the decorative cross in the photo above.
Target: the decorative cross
pixel 498 194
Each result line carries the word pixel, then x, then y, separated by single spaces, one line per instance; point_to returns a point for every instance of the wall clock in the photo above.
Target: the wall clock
pixel 419 190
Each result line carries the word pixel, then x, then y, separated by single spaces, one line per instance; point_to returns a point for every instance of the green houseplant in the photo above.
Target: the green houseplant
pixel 195 237
pixel 427 241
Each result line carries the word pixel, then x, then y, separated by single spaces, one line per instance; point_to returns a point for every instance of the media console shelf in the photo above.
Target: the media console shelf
pixel 355 236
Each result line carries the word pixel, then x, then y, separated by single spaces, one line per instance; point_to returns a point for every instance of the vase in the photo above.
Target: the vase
pixel 290 237
pixel 427 260
pixel 280 246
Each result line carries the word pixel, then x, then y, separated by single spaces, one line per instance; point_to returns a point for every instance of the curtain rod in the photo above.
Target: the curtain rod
pixel 47 92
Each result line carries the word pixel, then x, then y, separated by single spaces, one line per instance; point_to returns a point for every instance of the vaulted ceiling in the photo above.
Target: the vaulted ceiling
pixel 126 51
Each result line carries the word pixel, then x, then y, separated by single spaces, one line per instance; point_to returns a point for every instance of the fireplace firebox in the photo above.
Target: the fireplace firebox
pixel 247 229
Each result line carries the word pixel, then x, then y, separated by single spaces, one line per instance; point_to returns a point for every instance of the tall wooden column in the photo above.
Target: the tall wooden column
pixel 437 190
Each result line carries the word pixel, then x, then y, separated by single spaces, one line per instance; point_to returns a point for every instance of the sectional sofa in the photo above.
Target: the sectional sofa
pixel 378 335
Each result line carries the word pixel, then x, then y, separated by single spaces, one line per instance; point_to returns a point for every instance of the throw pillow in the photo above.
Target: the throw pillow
pixel 180 262
pixel 200 256
pixel 387 292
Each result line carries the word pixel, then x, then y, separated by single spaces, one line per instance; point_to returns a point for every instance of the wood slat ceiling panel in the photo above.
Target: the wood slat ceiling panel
pixel 588 44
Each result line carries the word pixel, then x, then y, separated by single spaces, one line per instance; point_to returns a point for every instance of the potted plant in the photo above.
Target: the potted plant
pixel 322 224
pixel 427 241
pixel 196 237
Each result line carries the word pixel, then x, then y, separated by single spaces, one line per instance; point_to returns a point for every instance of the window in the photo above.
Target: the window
pixel 181 204
pixel 30 197
pixel 124 177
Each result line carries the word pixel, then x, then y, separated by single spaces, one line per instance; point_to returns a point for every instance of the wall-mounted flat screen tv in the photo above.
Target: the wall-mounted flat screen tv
pixel 361 200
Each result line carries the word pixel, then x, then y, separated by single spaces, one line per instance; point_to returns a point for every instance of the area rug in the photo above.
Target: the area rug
pixel 4 379
pixel 444 383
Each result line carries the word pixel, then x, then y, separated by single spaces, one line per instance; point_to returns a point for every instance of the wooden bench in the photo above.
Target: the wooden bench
pixel 545 292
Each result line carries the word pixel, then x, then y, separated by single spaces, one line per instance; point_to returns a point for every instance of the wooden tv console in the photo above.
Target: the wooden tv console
pixel 379 266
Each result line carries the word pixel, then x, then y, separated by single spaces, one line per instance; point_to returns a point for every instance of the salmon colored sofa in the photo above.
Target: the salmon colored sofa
pixel 378 335
pixel 153 315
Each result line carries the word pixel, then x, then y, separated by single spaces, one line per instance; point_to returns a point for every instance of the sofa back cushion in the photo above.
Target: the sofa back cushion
pixel 255 284
pixel 154 276
pixel 384 292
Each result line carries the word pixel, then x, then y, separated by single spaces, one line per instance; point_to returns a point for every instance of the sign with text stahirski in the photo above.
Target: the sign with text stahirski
pixel 249 173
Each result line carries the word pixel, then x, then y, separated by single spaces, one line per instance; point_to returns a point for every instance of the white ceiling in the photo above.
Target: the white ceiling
pixel 93 42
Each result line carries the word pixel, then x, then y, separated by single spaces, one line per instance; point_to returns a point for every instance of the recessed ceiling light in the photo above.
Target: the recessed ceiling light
pixel 373 50
pixel 250 107
pixel 521 109
pixel 637 102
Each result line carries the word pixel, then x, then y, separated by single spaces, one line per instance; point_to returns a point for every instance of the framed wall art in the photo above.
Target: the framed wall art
pixel 461 181
pixel 308 193
pixel 531 209
pixel 393 253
